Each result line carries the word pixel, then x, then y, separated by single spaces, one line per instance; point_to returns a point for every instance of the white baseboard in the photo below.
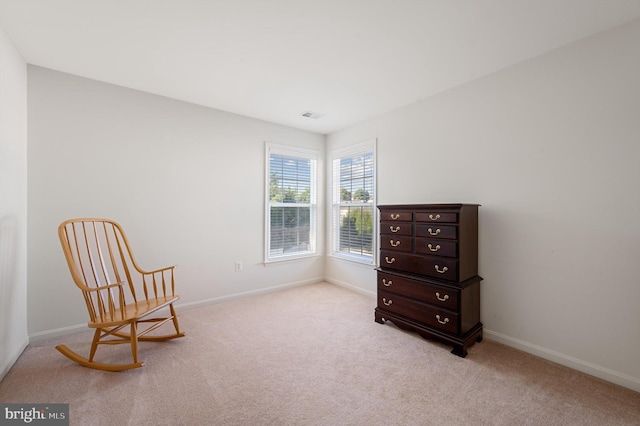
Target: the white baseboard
pixel 78 328
pixel 12 360
pixel 606 374
pixel 57 332
pixel 350 287
pixel 215 300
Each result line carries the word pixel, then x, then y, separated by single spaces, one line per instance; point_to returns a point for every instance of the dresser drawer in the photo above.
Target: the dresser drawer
pixel 396 228
pixel 396 215
pixel 446 217
pixel 436 247
pixel 395 242
pixel 438 296
pixel 440 319
pixel 439 267
pixel 437 231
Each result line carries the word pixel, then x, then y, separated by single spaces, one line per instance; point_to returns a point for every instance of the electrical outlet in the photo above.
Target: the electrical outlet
pixel 238 265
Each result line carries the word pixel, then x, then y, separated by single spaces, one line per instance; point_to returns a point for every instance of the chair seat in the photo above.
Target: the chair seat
pixel 134 312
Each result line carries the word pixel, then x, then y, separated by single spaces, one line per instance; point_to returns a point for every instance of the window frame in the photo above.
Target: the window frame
pixel 353 151
pixel 294 153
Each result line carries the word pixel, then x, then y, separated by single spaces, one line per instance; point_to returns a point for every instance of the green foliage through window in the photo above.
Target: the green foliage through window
pixel 291 205
pixel 354 188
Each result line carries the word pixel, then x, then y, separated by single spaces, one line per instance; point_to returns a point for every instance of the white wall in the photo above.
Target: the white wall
pixel 13 204
pixel 186 182
pixel 551 150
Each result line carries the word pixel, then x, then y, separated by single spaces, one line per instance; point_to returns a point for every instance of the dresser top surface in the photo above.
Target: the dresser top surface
pixel 426 206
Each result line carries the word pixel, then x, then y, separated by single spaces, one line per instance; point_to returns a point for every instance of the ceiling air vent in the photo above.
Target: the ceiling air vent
pixel 311 114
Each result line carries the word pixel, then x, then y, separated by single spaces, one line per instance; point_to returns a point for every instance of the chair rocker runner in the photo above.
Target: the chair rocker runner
pixel 120 296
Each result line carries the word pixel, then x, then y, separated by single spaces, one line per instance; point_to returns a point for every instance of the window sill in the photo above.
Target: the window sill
pixel 291 259
pixel 354 259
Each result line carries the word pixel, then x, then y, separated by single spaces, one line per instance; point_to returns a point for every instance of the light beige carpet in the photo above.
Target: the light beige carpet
pixel 312 355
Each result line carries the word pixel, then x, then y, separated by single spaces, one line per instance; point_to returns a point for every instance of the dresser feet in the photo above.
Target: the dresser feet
pixel 460 344
pixel 473 336
pixel 459 350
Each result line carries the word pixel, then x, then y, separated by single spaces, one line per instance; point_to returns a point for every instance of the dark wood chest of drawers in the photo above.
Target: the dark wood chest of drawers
pixel 428 276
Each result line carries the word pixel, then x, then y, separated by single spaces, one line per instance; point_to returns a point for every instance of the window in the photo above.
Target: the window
pixel 354 207
pixel 291 187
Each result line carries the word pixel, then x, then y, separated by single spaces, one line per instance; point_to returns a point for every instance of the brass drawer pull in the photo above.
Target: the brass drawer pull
pixel 432 232
pixel 394 243
pixel 393 259
pixel 441 271
pixel 446 320
pixel 384 300
pixel 396 229
pixel 442 299
pixel 432 248
pixel 395 216
pixel 432 217
pixel 386 283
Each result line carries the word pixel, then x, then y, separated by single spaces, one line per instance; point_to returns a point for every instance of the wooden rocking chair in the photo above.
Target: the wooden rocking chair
pixel 118 293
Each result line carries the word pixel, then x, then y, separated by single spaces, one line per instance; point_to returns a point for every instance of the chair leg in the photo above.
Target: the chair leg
pixel 94 343
pixel 134 341
pixel 175 318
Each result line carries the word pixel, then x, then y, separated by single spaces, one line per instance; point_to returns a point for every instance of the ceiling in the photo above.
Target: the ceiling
pixel 349 60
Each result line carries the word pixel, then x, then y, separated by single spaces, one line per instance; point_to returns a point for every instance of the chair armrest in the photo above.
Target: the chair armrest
pixel 168 268
pixel 142 271
pixel 104 287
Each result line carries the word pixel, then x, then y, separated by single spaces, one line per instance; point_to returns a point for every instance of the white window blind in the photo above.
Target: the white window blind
pixel 291 188
pixel 354 215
